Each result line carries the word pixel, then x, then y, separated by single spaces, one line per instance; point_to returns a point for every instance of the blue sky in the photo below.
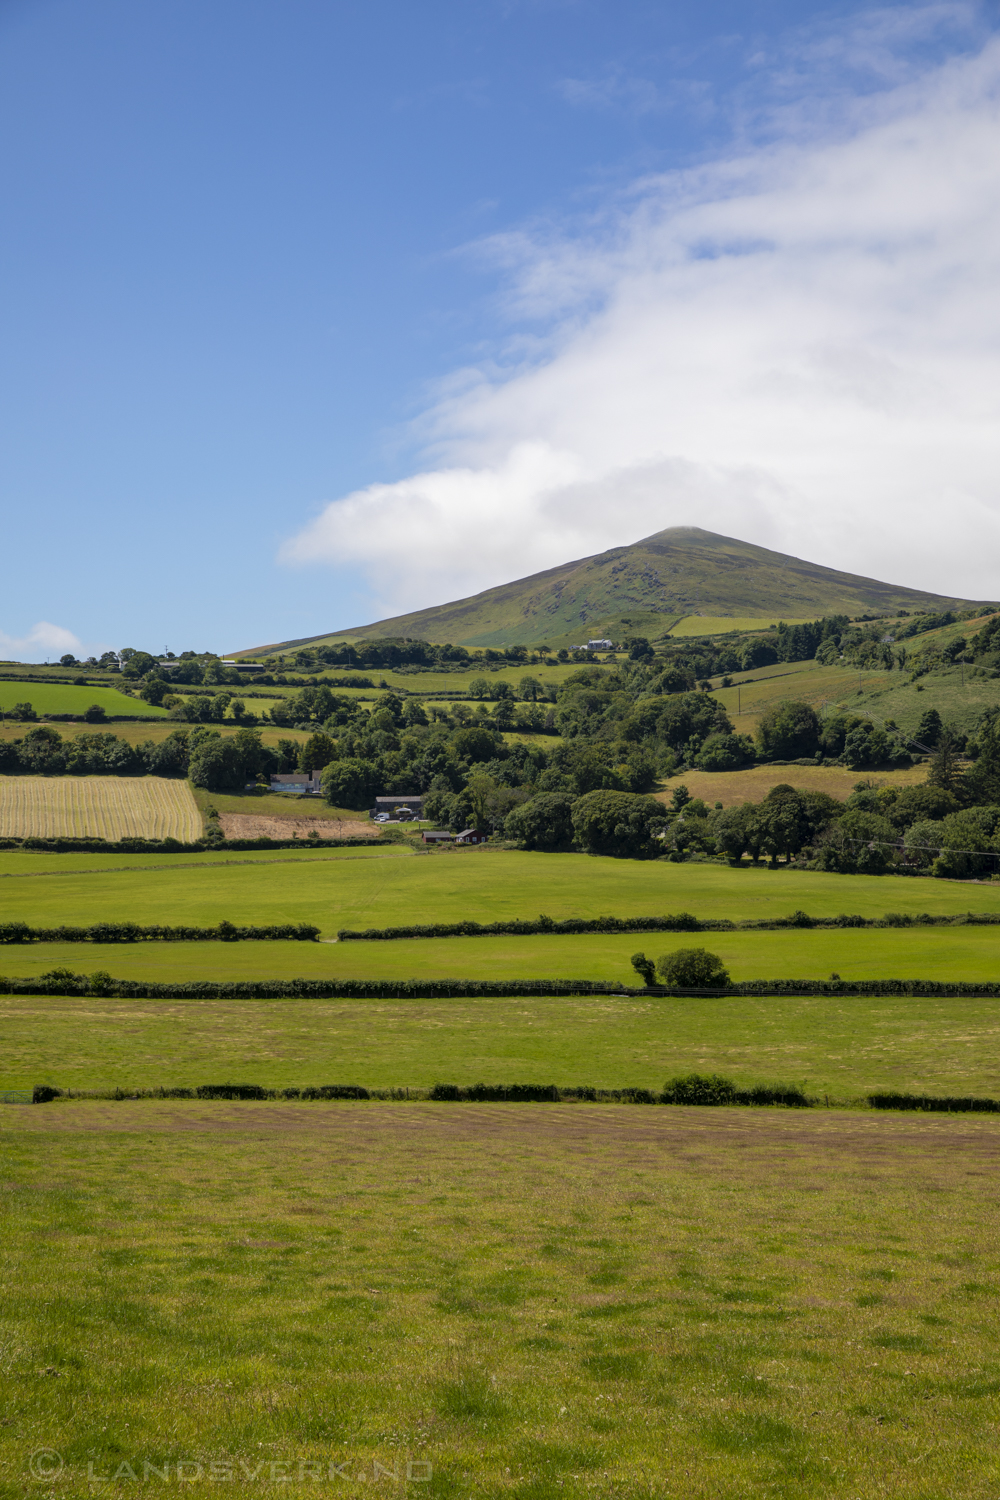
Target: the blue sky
pixel 313 312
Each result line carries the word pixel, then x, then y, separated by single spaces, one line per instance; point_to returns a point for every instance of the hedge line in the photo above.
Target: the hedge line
pixel 65 982
pixel 132 932
pixel 174 846
pixel 681 922
pixel 938 1104
pixel 694 1089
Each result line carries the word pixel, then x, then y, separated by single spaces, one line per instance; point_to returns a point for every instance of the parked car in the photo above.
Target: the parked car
pixel 381 818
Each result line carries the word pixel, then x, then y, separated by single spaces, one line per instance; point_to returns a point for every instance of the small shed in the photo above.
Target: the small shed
pixel 437 836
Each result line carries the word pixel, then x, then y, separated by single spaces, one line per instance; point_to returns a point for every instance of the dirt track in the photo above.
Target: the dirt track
pixel 248 826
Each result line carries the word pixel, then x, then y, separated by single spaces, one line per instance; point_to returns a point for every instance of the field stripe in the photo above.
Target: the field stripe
pixel 110 807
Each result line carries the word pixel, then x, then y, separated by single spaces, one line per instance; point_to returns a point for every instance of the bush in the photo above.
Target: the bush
pixel 789 731
pixel 693 969
pixel 700 1088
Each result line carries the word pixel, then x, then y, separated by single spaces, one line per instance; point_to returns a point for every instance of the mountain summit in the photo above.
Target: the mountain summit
pixel 646 587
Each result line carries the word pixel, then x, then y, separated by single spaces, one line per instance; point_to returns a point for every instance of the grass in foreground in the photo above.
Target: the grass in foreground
pixel 482 885
pixel 536 1302
pixel 844 1048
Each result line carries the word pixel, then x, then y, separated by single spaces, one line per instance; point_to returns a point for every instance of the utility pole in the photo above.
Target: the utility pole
pixel 739 701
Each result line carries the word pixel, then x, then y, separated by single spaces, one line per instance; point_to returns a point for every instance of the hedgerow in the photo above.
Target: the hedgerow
pixel 937 1104
pixel 692 1090
pixel 65 982
pixel 174 846
pixel 681 922
pixel 132 932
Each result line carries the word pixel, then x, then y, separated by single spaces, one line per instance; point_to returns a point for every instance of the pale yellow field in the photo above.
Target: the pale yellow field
pixel 110 807
pixel 722 624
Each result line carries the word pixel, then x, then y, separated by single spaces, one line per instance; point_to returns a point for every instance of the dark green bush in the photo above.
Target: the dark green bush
pixel 693 968
pixel 699 1088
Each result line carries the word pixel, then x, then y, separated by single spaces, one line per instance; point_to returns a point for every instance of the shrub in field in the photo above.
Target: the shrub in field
pixel 700 1088
pixel 644 967
pixel 693 968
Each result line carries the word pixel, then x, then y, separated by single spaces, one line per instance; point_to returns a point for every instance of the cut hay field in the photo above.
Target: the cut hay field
pixel 521 1301
pixel 482 885
pixel 63 698
pixel 109 807
pixel 841 1047
pixel 945 954
pixel 753 784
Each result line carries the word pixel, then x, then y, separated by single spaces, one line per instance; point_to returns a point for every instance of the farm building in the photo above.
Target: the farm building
pixel 305 785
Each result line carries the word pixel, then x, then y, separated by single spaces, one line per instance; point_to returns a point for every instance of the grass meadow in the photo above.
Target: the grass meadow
pixel 753 784
pixel 696 625
pixel 63 698
pixel 949 955
pixel 525 1301
pixel 842 1047
pixel 397 884
pixel 108 807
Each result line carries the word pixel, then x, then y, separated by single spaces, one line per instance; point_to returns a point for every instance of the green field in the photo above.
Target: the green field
pixel 483 885
pixel 693 625
pixel 63 698
pixel 535 1302
pixel 841 1047
pixel 945 954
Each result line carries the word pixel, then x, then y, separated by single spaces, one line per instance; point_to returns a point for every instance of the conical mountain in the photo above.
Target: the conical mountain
pixel 647 587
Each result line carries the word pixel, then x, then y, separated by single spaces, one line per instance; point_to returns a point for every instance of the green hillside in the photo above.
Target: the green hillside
pixel 646 588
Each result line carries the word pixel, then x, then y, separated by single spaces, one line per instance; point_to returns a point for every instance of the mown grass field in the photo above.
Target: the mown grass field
pixel 839 1047
pixel 388 887
pixel 63 698
pixel 109 807
pixel 949 955
pixel 536 1302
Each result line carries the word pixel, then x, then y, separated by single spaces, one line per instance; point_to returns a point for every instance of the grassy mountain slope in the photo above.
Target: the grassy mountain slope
pixel 646 588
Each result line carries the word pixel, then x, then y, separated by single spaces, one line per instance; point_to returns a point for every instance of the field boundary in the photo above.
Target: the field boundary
pixel 682 922
pixel 65 982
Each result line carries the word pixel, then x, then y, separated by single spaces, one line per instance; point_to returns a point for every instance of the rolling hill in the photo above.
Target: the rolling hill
pixel 645 588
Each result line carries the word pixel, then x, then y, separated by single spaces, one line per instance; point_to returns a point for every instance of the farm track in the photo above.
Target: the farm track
pixel 109 807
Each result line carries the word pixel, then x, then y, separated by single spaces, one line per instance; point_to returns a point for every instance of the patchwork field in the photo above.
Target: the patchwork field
pixel 483 885
pixel 110 807
pixel 521 1301
pixel 839 1047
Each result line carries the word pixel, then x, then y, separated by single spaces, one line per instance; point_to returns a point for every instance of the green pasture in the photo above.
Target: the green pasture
pixel 537 1302
pixel 63 698
pixel 842 1047
pixel 952 955
pixel 694 625
pixel 482 885
pixel 959 696
pixel 435 682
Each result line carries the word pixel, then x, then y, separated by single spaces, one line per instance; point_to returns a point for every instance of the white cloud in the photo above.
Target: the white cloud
pixel 799 346
pixel 43 640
